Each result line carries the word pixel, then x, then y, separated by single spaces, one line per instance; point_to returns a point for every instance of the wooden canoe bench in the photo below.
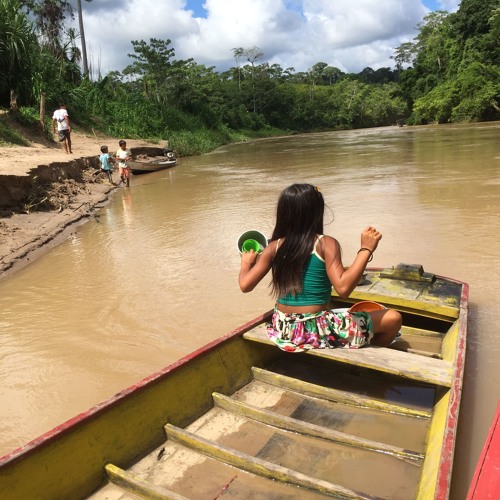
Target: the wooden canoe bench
pixel 402 364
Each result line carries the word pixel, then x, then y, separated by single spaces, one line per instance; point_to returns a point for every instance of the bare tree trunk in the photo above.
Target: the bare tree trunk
pixel 82 35
pixel 14 108
pixel 42 110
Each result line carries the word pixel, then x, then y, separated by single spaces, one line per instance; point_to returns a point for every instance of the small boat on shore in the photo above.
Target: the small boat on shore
pixel 241 417
pixel 485 484
pixel 138 167
pixel 144 164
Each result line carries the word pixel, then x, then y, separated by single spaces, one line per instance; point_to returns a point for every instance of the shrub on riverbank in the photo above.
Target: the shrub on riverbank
pixel 190 143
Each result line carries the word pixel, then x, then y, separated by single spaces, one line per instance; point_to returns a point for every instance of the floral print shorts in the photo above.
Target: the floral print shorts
pixel 324 329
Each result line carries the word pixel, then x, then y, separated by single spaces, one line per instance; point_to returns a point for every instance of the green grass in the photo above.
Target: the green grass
pixel 9 136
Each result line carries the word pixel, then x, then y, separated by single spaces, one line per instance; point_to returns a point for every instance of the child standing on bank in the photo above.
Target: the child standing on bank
pixel 106 163
pixel 60 118
pixel 122 156
pixel 305 264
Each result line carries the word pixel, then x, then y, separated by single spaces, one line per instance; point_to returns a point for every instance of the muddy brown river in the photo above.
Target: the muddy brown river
pixel 154 276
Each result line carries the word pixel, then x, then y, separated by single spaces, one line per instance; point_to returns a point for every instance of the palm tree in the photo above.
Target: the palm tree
pixel 237 54
pixel 17 44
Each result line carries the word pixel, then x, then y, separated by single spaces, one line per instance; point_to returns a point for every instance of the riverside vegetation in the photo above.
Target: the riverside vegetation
pixel 448 73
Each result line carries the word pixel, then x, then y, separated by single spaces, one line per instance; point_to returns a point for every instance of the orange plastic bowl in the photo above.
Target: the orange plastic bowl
pixel 366 306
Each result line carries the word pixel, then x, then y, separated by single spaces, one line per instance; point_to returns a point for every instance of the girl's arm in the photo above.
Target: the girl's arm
pixel 345 280
pixel 255 266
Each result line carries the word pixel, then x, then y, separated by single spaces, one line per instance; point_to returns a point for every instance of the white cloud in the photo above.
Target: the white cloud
pixel 345 23
pixel 349 34
pixel 245 23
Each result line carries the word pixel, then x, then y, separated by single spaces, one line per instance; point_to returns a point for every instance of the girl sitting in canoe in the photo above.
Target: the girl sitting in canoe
pixel 305 264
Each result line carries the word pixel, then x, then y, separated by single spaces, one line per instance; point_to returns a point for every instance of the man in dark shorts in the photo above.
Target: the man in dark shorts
pixel 61 118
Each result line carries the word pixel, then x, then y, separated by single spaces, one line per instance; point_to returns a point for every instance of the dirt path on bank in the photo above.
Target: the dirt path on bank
pixel 24 236
pixel 19 160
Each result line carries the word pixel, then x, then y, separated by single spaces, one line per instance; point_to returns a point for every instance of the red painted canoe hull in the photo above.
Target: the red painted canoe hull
pixel 486 481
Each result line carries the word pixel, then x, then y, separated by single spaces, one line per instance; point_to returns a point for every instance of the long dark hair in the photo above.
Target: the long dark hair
pixel 299 218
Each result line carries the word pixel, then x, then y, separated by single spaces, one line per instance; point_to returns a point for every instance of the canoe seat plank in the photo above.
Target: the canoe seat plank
pixel 308 389
pixel 138 486
pixel 420 332
pixel 403 364
pixel 309 429
pixel 258 466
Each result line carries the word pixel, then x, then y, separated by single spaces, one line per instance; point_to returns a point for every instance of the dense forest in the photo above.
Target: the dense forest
pixel 448 73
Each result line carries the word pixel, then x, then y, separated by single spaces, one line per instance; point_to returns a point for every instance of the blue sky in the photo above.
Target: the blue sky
pixel 197 7
pixel 347 34
pixel 431 4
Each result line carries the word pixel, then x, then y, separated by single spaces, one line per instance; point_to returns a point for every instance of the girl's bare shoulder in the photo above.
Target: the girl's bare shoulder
pixel 329 247
pixel 329 240
pixel 272 246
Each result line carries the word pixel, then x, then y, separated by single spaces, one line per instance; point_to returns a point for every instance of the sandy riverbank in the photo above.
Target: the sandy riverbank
pixel 33 176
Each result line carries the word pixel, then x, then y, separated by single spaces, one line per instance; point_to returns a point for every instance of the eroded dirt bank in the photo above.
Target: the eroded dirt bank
pixel 39 210
pixel 44 193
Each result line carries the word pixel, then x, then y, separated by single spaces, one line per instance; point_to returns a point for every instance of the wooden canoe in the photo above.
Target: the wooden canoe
pixel 485 484
pixel 138 167
pixel 241 417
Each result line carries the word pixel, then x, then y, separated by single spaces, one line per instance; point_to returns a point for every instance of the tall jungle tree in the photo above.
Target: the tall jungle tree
pixel 253 54
pixel 455 69
pixel 50 17
pixel 152 65
pixel 238 53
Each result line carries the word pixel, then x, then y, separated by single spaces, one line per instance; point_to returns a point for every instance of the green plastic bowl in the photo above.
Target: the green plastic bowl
pixel 252 235
pixel 251 245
